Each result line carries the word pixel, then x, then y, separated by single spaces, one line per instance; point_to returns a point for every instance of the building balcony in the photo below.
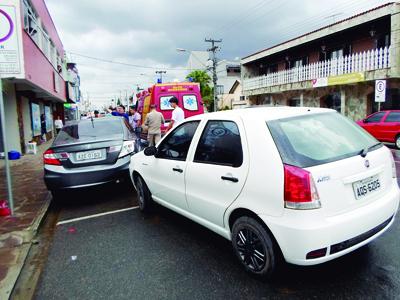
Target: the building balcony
pixel 329 72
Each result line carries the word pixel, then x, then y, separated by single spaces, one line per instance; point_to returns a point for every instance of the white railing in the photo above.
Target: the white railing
pixel 357 62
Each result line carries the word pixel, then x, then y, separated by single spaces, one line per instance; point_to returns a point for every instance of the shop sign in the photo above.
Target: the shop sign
pixel 320 82
pixel 338 80
pixel 346 79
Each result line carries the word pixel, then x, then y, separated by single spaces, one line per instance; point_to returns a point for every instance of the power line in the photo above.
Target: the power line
pixel 127 64
pixel 249 12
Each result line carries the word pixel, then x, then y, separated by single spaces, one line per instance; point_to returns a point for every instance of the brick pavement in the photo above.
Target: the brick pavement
pixel 31 200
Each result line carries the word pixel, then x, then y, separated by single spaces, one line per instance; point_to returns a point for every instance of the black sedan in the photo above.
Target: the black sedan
pixel 89 152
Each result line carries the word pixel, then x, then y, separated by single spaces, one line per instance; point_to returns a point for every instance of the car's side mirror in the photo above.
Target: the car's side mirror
pixel 150 151
pixel 365 121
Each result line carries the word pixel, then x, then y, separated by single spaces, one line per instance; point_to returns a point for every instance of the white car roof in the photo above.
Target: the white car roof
pixel 265 113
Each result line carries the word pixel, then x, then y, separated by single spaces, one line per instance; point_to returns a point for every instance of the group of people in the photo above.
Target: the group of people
pixel 154 120
pixel 58 124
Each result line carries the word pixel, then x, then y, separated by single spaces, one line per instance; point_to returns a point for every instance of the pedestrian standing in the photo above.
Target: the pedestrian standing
pixel 58 123
pixel 177 114
pixel 153 122
pixel 134 122
pixel 134 118
pixel 43 127
pixel 120 112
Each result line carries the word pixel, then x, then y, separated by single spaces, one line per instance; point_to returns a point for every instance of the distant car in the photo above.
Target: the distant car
pixel 384 126
pixel 305 184
pixel 88 152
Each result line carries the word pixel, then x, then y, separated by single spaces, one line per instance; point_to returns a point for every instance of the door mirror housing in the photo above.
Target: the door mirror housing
pixel 150 151
pixel 365 121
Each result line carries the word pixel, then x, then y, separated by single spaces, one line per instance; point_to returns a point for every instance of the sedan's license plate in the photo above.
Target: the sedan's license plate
pixel 365 187
pixel 89 155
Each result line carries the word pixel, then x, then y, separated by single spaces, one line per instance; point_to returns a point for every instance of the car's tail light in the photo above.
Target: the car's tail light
pixel 394 173
pixel 127 148
pixel 300 191
pixel 52 158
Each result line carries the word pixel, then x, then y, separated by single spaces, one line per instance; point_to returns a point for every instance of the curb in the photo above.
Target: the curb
pixel 20 253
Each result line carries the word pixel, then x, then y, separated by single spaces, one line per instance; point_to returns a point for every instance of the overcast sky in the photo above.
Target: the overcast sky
pixel 147 33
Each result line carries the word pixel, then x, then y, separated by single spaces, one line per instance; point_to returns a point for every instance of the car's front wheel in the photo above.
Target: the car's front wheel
pixel 144 196
pixel 254 247
pixel 397 141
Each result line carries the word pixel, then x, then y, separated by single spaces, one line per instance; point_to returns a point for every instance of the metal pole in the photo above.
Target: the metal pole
pixel 3 128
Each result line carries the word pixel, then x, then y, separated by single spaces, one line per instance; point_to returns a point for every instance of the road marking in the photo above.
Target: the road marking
pixel 96 215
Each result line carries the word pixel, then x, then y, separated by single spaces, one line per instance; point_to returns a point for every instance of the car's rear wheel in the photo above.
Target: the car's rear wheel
pixel 144 196
pixel 254 247
pixel 57 196
pixel 397 141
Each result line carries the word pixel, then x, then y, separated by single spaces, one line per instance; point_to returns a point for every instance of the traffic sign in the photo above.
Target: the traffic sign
pixel 380 90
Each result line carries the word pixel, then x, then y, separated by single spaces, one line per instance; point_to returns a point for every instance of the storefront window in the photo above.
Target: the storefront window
pixel 332 101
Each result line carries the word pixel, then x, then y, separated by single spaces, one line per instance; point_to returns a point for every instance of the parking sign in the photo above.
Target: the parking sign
pixel 380 90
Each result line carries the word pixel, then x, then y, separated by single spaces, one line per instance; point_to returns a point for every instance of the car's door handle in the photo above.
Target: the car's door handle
pixel 233 179
pixel 177 170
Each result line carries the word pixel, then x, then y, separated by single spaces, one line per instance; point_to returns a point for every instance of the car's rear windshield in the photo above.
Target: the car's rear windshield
pixel 315 139
pixel 87 131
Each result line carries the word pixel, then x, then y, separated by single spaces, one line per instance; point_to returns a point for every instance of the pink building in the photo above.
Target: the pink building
pixel 35 78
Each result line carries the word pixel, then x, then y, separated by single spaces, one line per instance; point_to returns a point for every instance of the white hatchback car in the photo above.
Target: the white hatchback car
pixel 305 184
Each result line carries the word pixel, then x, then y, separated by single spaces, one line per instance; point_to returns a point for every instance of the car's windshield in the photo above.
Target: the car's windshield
pixel 86 131
pixel 319 138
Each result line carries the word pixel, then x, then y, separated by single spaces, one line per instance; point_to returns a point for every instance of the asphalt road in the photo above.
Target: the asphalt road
pixel 128 255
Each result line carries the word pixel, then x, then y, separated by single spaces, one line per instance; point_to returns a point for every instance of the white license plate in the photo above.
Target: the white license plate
pixel 89 155
pixel 366 187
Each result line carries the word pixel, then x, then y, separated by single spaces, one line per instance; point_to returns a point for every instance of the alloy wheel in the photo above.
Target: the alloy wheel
pixel 251 250
pixel 398 142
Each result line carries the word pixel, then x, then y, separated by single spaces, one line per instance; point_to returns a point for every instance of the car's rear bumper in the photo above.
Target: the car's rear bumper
pixel 301 232
pixel 58 177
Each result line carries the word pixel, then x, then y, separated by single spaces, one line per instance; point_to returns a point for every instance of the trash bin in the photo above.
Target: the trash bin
pixel 13 155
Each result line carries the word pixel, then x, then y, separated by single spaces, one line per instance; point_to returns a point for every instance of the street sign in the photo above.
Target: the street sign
pixel 380 90
pixel 11 61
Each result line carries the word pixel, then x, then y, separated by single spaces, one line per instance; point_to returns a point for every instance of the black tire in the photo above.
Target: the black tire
pixel 58 196
pixel 254 247
pixel 397 142
pixel 144 196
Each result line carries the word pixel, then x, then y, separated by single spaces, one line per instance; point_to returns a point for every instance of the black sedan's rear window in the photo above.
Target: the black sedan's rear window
pixel 316 139
pixel 87 131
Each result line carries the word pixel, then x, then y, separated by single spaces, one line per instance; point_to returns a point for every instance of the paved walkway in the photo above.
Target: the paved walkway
pixel 31 200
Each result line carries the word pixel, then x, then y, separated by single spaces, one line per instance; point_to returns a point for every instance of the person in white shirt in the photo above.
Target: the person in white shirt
pixel 177 114
pixel 58 124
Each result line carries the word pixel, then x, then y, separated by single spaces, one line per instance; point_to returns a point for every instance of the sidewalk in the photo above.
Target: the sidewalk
pixel 31 200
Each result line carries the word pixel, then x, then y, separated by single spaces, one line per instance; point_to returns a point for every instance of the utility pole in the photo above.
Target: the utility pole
pixel 161 72
pixel 87 103
pixel 5 149
pixel 213 49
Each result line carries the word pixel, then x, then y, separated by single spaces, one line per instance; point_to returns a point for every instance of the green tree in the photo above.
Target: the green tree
pixel 205 90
